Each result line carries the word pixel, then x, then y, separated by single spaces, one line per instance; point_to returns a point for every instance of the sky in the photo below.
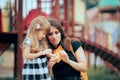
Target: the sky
pixel 27 5
pixel 3 2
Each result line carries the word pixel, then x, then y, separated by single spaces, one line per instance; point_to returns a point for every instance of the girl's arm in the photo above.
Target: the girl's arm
pixel 51 62
pixel 28 55
pixel 81 64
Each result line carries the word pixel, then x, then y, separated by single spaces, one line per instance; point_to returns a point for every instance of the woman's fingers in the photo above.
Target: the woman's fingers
pixel 64 56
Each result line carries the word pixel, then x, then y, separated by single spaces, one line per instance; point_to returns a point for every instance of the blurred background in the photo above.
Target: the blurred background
pixel 96 23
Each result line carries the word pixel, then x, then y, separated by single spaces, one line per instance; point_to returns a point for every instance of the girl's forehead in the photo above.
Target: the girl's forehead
pixel 40 30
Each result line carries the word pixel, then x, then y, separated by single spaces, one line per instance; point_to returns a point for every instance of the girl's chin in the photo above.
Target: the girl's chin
pixel 42 39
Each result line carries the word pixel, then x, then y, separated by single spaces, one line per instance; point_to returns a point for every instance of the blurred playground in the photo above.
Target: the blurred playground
pixel 96 23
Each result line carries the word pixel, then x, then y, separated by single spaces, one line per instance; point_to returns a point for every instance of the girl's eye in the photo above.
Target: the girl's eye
pixel 44 33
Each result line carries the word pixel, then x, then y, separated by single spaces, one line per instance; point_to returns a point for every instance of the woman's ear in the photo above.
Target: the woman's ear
pixel 67 43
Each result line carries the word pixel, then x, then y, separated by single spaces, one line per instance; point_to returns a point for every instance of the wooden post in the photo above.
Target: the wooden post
pixel 73 21
pixel 57 9
pixel 15 59
pixel 15 15
pixel 39 6
pixel 0 20
pixel 65 15
pixel 88 53
pixel 20 39
pixel 95 60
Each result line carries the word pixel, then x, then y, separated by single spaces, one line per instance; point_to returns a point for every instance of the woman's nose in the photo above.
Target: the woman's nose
pixel 54 35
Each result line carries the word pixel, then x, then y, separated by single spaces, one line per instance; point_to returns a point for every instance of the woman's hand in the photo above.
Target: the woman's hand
pixel 64 56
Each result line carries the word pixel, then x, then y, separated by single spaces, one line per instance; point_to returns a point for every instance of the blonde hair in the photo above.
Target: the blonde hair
pixel 31 34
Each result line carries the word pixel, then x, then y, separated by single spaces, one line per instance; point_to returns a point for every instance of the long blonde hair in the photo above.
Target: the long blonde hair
pixel 31 34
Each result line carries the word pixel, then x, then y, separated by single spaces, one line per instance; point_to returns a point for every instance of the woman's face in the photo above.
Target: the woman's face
pixel 54 36
pixel 41 34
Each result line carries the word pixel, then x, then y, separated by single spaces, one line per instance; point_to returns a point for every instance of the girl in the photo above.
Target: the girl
pixel 35 51
pixel 67 67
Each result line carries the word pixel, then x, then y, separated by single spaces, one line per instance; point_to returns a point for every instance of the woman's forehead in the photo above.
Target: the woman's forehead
pixel 53 28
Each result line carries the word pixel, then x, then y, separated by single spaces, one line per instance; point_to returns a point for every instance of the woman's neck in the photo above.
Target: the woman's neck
pixel 56 46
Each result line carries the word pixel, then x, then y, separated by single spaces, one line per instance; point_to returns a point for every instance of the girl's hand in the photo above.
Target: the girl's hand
pixel 48 53
pixel 64 56
pixel 52 61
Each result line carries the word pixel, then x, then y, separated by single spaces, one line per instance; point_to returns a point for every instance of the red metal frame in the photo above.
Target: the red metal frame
pixel 18 36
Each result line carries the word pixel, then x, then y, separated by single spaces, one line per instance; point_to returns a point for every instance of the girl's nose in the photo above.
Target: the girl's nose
pixel 43 35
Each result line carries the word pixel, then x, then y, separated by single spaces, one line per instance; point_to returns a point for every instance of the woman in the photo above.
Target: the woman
pixel 35 51
pixel 65 66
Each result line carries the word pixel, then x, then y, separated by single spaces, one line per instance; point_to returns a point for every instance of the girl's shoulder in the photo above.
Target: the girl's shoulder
pixel 27 41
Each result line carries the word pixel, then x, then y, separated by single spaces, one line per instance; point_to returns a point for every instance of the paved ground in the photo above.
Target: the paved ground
pixel 6 72
pixel 6 67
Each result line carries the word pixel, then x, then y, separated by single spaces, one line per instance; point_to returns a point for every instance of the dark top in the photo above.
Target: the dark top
pixel 62 69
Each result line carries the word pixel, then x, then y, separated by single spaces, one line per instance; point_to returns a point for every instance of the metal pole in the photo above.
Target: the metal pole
pixel 20 39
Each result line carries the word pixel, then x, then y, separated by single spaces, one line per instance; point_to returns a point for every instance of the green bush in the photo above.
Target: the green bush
pixel 102 73
pixel 1 60
pixel 6 78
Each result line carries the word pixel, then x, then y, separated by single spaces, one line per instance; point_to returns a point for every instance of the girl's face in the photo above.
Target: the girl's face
pixel 54 36
pixel 41 34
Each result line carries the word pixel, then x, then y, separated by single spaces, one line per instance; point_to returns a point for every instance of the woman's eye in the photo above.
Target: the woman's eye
pixel 50 34
pixel 56 32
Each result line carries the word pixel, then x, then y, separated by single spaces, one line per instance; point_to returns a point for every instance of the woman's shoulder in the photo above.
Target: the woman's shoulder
pixel 75 42
pixel 72 40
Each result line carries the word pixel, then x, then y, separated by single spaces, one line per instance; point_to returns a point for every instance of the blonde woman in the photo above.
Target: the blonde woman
pixel 35 51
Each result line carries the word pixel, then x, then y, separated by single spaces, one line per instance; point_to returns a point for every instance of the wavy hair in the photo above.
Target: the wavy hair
pixel 57 25
pixel 32 33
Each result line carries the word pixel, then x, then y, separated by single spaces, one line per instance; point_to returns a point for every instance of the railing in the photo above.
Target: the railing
pixel 111 58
